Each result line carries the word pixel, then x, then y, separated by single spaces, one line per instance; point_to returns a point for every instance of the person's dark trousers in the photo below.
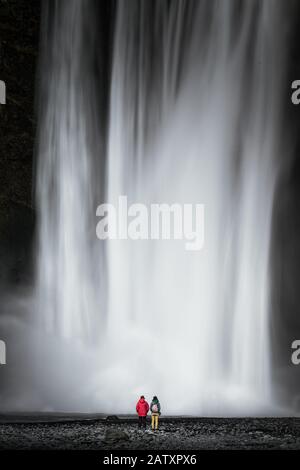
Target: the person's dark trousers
pixel 142 422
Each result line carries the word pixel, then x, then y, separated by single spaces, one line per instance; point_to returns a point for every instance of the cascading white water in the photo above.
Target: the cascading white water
pixel 68 276
pixel 193 118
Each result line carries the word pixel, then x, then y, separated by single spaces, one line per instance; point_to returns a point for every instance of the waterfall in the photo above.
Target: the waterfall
pixel 68 278
pixel 194 117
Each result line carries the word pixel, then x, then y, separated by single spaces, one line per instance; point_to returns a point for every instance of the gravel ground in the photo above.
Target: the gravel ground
pixel 180 434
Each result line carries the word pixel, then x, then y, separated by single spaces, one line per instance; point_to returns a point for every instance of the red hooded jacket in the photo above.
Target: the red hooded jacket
pixel 142 407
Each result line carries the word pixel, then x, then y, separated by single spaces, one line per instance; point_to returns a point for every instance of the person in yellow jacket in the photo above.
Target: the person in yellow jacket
pixel 155 412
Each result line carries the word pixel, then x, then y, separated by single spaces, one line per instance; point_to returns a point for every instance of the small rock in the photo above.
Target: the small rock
pixel 116 435
pixel 112 418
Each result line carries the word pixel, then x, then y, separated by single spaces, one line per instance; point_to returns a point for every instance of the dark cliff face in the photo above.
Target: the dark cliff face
pixel 285 251
pixel 19 38
pixel 19 33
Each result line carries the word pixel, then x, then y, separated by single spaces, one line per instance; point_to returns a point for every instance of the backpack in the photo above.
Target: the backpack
pixel 155 408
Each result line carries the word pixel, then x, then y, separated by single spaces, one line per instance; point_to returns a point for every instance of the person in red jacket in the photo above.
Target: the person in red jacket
pixel 142 409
